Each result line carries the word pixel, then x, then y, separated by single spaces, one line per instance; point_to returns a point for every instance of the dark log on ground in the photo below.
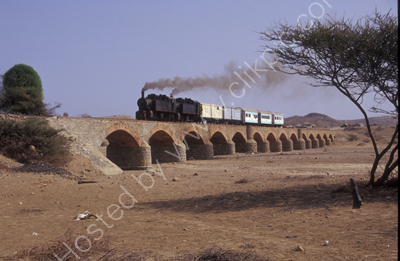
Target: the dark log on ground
pixel 357 199
pixel 86 181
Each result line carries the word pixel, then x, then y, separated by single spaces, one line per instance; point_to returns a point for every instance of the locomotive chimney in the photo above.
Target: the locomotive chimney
pixel 143 94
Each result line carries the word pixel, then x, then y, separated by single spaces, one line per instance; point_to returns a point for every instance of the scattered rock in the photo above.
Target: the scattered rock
pixel 195 174
pixel 326 243
pixel 299 248
pixel 175 179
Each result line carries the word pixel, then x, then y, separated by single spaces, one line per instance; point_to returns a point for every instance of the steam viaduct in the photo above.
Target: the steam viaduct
pixel 135 144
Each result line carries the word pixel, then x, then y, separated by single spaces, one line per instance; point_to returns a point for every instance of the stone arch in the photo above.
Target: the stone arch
pixel 262 146
pixel 258 137
pixel 120 126
pixel 327 141
pixel 239 135
pixel 293 137
pixel 164 148
pixel 287 144
pixel 220 143
pixel 298 143
pixel 275 145
pixel 314 141
pixel 191 133
pixel 308 144
pixel 218 136
pixel 331 137
pixel 240 142
pixel 196 146
pixel 321 141
pixel 123 147
pixel 165 129
pixel 271 138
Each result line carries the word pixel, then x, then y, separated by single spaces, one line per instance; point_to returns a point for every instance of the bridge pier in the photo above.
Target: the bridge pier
pixel 276 146
pixel 299 145
pixel 200 151
pixel 315 144
pixel 308 144
pixel 224 148
pixel 287 145
pixel 130 158
pixel 327 142
pixel 251 145
pixel 263 146
pixel 322 143
pixel 168 153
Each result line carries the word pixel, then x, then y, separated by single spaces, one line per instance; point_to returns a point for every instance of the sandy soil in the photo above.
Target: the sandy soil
pixel 285 200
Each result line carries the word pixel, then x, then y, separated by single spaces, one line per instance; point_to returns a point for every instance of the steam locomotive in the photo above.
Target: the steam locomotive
pixel 163 108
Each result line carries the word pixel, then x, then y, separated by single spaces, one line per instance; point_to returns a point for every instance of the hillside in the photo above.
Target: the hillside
pixel 322 120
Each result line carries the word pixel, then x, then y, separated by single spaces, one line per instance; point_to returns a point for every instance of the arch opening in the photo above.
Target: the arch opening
pixel 314 142
pixel 308 144
pixel 196 147
pixel 220 144
pixel 240 142
pixel 261 144
pixel 163 148
pixel 122 149
pixel 275 145
pixel 287 144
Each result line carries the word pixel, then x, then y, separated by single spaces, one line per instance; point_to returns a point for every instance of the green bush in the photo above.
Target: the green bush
pixel 22 91
pixel 33 140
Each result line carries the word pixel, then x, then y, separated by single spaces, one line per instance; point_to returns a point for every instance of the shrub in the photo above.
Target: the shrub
pixel 352 137
pixel 33 140
pixel 85 115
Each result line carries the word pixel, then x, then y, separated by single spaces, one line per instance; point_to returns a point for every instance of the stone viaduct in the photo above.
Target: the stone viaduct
pixel 132 144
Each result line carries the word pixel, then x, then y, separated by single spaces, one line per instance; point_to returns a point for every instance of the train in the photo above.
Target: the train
pixel 167 108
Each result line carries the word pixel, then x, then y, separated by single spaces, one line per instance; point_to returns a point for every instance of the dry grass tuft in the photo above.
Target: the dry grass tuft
pixel 242 181
pixel 220 254
pixel 30 210
pixel 95 250
pixel 247 246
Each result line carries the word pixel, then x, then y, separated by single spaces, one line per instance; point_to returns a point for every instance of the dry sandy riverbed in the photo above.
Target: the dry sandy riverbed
pixel 268 203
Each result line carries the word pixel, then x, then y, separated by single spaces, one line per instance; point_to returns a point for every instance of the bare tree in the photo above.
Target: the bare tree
pixel 356 57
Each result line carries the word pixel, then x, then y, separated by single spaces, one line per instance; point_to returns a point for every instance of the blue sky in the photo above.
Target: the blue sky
pixel 94 57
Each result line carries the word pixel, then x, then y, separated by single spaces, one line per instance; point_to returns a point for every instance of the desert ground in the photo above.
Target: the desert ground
pixel 271 204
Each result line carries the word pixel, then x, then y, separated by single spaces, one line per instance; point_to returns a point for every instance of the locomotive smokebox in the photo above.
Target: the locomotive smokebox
pixel 142 94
